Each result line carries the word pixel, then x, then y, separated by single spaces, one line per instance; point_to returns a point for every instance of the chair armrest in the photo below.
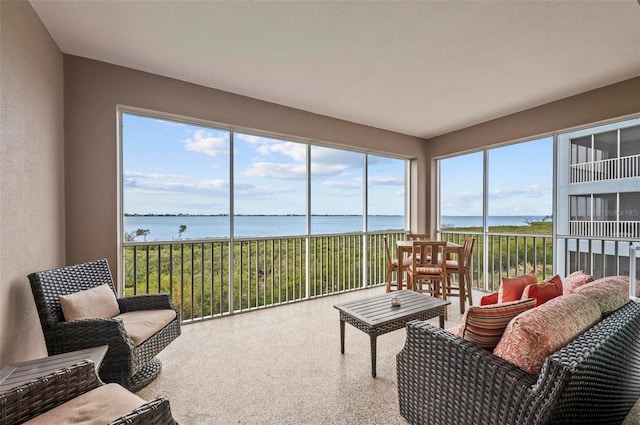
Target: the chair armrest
pixel 447 380
pixel 145 302
pixel 28 401
pixel 87 333
pixel 154 412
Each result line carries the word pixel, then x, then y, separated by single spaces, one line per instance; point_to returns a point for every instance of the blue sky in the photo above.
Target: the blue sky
pixel 520 179
pixel 176 168
pixel 173 168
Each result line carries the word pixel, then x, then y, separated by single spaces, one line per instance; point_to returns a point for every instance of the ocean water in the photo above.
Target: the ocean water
pixel 165 228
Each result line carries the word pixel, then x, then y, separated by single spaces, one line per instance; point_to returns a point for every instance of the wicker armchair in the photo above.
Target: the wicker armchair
pixel 130 365
pixel 27 401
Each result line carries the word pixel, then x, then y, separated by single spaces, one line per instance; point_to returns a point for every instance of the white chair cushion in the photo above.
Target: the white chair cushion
pixel 95 303
pixel 141 325
pixel 99 406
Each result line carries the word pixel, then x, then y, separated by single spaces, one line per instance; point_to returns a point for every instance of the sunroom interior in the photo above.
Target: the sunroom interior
pixel 60 199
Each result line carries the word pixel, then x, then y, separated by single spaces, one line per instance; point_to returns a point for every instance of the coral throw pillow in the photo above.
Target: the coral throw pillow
pixel 489 299
pixel 484 325
pixel 511 288
pixel 575 280
pixel 544 291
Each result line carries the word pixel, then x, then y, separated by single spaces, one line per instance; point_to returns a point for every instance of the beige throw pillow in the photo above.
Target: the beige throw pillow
pixel 95 303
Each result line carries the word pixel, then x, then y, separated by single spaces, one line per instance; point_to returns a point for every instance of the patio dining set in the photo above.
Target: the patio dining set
pixel 430 266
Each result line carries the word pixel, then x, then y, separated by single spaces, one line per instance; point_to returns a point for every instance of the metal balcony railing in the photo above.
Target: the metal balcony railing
pixel 597 256
pixel 272 271
pixel 626 229
pixel 265 271
pixel 606 169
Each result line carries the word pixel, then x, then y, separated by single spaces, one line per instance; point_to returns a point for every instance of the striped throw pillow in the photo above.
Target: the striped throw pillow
pixel 484 325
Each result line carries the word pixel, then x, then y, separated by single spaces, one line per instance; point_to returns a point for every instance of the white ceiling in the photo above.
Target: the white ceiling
pixel 421 68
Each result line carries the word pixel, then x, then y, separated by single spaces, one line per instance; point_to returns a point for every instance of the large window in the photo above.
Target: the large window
pixel 461 191
pixel 336 190
pixel 175 180
pixel 503 198
pixel 385 193
pixel 519 187
pixel 269 186
pixel 177 184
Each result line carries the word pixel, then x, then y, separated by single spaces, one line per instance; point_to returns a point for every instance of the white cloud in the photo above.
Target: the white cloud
pixel 250 138
pixel 295 151
pixel 275 170
pixel 134 174
pixel 172 183
pixel 532 191
pixel 386 180
pixel 343 184
pixel 207 143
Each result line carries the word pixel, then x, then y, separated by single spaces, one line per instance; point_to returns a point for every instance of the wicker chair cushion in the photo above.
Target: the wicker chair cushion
pixel 96 303
pixel 575 280
pixel 544 291
pixel 141 325
pixel 99 406
pixel 610 292
pixel 539 332
pixel 484 325
pixel 511 288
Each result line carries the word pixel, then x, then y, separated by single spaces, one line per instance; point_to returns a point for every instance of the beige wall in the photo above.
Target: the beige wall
pixel 94 89
pixel 31 173
pixel 607 103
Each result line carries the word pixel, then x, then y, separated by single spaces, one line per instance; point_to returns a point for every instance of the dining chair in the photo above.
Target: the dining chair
pixel 461 288
pixel 392 266
pixel 417 237
pixel 428 267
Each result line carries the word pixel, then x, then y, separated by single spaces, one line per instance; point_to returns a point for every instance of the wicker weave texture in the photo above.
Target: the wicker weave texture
pixel 30 400
pixel 123 359
pixel 595 379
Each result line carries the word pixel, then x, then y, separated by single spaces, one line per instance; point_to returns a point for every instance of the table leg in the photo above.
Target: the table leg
pixel 441 317
pixel 373 354
pixel 342 336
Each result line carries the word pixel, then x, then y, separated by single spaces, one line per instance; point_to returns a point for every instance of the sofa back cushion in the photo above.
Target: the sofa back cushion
pixel 610 292
pixel 533 335
pixel 545 291
pixel 484 325
pixel 511 288
pixel 575 280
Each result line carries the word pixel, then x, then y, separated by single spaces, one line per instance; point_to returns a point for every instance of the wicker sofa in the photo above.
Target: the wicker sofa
pixel 593 379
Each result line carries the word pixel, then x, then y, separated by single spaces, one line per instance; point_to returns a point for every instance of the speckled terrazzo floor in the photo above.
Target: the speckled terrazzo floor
pixel 282 365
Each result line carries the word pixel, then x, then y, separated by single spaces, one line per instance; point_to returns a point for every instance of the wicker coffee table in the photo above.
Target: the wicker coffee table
pixel 376 316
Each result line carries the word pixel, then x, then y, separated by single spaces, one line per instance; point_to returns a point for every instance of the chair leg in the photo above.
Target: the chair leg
pixel 467 279
pixel 389 276
pixel 462 285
